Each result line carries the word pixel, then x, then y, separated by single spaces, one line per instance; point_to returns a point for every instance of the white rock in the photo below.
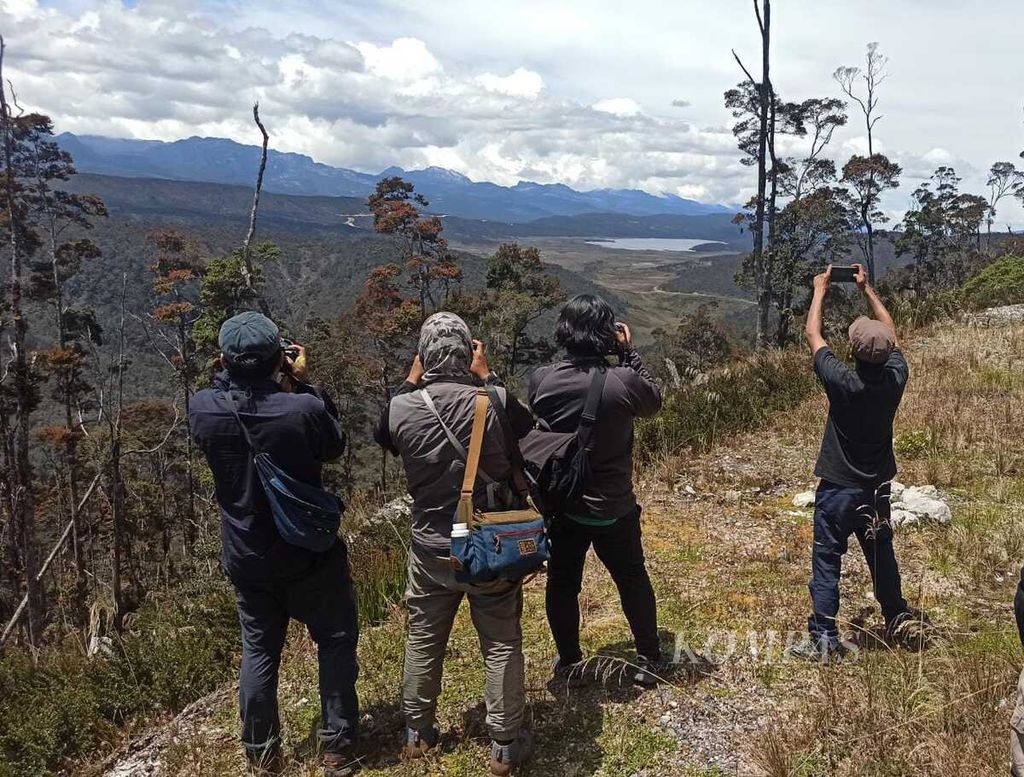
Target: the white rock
pixel 804 499
pixel 732 496
pixel 923 501
pixel 897 490
pixel 903 518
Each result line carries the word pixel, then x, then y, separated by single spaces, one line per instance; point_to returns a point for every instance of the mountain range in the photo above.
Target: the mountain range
pixel 218 160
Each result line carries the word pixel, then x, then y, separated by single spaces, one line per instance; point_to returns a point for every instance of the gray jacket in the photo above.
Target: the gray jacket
pixel 433 467
pixel 557 394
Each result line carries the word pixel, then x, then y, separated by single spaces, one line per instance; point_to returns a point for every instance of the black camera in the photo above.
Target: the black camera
pixel 289 348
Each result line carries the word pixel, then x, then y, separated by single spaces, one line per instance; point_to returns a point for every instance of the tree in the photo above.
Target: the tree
pixel 873 75
pixel 228 288
pixel 686 353
pixel 814 230
pixel 766 116
pixel 388 321
pixel 518 293
pixel 866 178
pixel 425 253
pixel 1004 180
pixel 178 271
pixel 21 389
pixel 942 232
pixel 55 210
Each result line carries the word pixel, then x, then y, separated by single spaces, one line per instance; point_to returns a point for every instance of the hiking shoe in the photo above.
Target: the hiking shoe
pixel 343 764
pixel 911 628
pixel 648 672
pixel 419 743
pixel 569 675
pixel 265 764
pixel 505 759
pixel 816 650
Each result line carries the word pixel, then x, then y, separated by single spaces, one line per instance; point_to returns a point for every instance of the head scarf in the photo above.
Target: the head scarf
pixel 446 347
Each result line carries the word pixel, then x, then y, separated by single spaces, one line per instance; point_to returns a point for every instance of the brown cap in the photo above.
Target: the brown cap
pixel 871 341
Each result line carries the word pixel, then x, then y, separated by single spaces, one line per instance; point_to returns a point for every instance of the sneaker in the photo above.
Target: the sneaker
pixel 816 650
pixel 649 672
pixel 342 764
pixel 419 743
pixel 505 759
pixel 569 675
pixel 911 628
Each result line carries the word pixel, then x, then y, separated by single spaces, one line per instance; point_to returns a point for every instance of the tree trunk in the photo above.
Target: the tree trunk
pixel 764 299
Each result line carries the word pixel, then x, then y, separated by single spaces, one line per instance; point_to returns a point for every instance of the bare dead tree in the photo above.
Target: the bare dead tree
pixel 873 75
pixel 765 146
pixel 247 267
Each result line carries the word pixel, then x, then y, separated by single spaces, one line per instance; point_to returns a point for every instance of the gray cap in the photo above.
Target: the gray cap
pixel 249 340
pixel 871 341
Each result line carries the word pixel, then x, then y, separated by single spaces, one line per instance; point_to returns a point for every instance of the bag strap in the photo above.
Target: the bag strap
pixel 245 432
pixel 452 439
pixel 476 441
pixel 511 441
pixel 590 408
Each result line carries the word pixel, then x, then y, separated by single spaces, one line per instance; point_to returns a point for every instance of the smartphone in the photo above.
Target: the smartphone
pixel 843 274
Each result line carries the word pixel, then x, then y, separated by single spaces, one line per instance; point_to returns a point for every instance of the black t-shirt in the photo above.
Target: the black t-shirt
pixel 856 449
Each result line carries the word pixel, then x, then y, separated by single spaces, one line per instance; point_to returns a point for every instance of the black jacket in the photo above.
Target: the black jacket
pixel 557 394
pixel 298 430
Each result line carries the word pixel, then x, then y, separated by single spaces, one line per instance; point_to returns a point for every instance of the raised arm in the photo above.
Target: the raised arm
pixel 813 327
pixel 878 309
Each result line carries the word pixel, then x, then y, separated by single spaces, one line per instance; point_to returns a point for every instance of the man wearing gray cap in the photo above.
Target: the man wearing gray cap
pixel 276 580
pixel 855 465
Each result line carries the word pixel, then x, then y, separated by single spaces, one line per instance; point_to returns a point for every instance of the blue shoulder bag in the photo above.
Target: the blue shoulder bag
pixel 306 516
pixel 501 545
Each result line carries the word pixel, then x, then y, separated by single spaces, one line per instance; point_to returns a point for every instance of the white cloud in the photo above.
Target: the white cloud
pixel 406 60
pixel 579 92
pixel 618 106
pixel 520 83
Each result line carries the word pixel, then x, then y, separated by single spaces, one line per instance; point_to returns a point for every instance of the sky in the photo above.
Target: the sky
pixel 590 93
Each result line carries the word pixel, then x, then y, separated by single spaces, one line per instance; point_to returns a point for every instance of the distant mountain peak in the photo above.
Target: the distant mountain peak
pixel 221 160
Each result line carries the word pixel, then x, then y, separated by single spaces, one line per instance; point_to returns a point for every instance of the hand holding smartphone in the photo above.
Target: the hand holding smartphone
pixel 844 273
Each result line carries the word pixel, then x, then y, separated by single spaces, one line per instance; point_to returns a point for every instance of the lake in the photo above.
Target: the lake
pixel 683 244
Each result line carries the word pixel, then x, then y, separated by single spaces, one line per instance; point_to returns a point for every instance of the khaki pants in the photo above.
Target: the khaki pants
pixel 1017 732
pixel 433 597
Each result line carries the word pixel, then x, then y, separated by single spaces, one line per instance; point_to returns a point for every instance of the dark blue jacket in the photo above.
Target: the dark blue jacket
pixel 299 431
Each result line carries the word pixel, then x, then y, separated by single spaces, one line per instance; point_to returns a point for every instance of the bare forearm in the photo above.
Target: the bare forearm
pixel 813 327
pixel 878 309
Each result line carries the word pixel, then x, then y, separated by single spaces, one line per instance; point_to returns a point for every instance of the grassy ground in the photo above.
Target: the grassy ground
pixel 730 558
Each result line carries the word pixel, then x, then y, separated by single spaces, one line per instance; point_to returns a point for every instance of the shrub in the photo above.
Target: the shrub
pixel 177 648
pixel 743 396
pixel 1001 283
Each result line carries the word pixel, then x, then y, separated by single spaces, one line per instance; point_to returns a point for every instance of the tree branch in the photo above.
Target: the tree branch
pixel 247 268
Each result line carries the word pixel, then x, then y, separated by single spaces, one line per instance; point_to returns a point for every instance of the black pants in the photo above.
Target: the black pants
pixel 840 511
pixel 619 548
pixel 324 600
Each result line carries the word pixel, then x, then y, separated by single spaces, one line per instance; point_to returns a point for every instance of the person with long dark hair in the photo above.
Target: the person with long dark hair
pixel 608 515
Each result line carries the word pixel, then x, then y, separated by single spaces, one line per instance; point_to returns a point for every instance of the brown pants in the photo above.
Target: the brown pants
pixel 433 597
pixel 1017 732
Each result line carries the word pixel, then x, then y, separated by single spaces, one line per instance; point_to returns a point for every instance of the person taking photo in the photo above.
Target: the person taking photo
pixel 428 424
pixel 855 466
pixel 276 580
pixel 608 516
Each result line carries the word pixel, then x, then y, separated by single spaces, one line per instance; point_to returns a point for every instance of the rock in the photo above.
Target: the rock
pixel 923 502
pixel 903 518
pixel 896 489
pixel 804 499
pixel 732 496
